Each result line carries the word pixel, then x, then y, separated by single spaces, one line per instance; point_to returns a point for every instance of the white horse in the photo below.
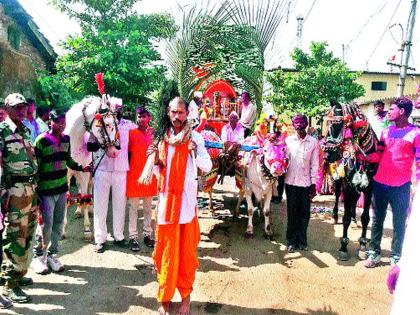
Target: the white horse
pixel 97 116
pixel 84 184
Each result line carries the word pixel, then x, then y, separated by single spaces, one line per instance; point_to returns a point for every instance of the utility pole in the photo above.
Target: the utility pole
pixel 343 49
pixel 299 19
pixel 405 49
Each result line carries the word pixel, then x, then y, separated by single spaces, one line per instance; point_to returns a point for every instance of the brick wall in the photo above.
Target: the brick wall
pixel 17 67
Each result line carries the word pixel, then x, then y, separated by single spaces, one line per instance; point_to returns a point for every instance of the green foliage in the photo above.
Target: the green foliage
pixel 262 19
pixel 189 39
pixel 54 94
pixel 231 53
pixel 117 41
pixel 319 77
pixel 157 108
pixel 97 13
pixel 227 42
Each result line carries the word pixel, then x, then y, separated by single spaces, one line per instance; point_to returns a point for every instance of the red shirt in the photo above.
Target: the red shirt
pixel 138 142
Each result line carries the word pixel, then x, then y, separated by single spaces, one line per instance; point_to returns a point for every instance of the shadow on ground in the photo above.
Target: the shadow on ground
pixel 229 235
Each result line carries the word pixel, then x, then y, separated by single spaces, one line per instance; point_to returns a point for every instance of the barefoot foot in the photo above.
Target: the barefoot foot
pixel 164 308
pixel 184 307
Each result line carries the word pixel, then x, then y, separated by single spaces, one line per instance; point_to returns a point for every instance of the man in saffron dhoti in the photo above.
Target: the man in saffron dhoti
pixel 178 156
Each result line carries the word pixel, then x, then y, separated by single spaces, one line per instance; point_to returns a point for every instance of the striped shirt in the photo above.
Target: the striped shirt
pixel 53 159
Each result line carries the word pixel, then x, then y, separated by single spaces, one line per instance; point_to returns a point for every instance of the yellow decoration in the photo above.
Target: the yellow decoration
pixel 340 170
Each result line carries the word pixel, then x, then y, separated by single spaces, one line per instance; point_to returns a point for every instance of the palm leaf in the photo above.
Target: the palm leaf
pixel 262 19
pixel 191 25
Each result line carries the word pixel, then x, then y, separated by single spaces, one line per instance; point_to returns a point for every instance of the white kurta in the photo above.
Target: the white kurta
pixel 119 163
pixel 232 135
pixel 111 176
pixel 248 114
pixel 189 194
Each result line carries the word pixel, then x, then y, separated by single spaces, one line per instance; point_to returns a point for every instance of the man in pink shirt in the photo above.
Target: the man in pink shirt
pixel 300 182
pixel 399 146
pixel 232 131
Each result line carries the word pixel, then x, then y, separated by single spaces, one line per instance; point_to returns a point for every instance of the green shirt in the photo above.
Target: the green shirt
pixel 18 156
pixel 53 158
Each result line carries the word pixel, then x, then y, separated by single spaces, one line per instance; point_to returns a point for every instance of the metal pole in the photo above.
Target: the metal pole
pixel 299 19
pixel 406 47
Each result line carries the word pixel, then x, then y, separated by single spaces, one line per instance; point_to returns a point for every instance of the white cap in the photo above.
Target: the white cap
pixel 198 94
pixel 14 99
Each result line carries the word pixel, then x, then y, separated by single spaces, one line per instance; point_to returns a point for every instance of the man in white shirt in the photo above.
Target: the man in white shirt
pixel 177 232
pixel 194 107
pixel 379 120
pixel 248 113
pixel 232 131
pixel 300 182
pixel 111 173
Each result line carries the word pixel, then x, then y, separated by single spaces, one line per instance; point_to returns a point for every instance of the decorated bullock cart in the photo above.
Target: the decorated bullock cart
pixel 255 164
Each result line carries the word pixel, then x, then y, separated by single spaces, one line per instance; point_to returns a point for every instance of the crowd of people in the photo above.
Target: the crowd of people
pixel 35 155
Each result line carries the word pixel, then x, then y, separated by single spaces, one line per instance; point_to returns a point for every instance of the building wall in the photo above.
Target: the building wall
pixel 17 66
pixel 391 79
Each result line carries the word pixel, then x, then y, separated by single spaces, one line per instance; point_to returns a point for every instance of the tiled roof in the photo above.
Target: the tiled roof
pixel 15 10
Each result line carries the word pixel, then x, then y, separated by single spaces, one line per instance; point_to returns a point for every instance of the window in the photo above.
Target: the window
pixel 378 86
pixel 13 36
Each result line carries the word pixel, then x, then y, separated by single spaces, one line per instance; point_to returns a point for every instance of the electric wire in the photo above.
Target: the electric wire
pixel 383 34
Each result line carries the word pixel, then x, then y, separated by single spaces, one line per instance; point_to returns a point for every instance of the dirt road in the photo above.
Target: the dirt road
pixel 236 275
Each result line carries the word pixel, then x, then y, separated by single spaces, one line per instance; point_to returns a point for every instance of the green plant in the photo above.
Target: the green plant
pixel 114 39
pixel 53 93
pixel 318 78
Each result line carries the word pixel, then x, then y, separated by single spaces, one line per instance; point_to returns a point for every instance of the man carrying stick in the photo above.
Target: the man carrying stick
pixel 177 157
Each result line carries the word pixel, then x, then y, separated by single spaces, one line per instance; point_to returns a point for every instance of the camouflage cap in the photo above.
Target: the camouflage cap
pixel 14 99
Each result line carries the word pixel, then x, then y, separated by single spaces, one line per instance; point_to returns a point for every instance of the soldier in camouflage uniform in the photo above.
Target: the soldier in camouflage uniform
pixel 18 167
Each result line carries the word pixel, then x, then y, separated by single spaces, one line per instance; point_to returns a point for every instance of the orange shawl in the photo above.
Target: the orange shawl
pixel 176 175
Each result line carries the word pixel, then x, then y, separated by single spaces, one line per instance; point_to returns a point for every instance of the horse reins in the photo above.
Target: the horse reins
pixel 103 131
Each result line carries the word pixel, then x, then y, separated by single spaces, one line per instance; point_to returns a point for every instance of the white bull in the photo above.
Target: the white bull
pixel 262 167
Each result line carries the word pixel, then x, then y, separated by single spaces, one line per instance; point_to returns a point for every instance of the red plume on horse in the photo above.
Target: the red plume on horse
pixel 99 78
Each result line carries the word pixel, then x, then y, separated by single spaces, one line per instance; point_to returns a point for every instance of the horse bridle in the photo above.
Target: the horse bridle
pixel 104 133
pixel 335 145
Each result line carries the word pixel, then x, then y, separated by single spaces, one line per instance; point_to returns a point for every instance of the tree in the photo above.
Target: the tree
pixel 53 93
pixel 226 41
pixel 117 41
pixel 319 77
